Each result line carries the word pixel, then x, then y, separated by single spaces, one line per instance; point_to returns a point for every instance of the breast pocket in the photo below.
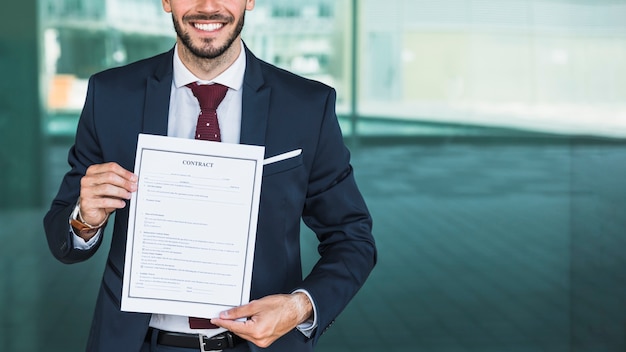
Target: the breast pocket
pixel 282 166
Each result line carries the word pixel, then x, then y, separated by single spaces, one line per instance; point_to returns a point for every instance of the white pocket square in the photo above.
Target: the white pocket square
pixel 283 156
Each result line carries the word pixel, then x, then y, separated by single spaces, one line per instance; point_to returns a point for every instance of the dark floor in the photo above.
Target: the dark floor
pixel 483 246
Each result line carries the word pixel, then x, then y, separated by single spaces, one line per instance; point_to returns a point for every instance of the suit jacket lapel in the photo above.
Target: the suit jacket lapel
pixel 256 103
pixel 158 88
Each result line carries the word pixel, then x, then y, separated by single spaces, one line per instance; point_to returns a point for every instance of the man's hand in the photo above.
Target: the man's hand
pixel 268 318
pixel 104 188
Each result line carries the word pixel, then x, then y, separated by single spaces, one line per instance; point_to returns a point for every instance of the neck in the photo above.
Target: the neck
pixel 207 69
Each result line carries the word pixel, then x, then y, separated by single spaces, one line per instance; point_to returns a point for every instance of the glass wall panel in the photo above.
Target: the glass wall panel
pixel 547 66
pixel 309 38
pixel 81 38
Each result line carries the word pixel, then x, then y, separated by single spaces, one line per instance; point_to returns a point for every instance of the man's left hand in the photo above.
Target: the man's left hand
pixel 268 318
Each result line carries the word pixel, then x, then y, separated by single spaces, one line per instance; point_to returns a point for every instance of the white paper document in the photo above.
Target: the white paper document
pixel 192 226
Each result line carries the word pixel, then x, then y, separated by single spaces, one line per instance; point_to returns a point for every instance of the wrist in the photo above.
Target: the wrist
pixel 304 306
pixel 82 228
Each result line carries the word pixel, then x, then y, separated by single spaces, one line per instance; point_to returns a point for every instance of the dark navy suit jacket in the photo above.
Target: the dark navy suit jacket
pixel 280 111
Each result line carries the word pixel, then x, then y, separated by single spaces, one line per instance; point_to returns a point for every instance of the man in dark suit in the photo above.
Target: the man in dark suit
pixel 262 106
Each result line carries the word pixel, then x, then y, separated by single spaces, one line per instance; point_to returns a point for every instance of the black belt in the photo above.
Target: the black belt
pixel 218 342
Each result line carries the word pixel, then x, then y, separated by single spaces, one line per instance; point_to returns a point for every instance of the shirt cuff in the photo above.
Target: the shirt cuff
pixel 308 326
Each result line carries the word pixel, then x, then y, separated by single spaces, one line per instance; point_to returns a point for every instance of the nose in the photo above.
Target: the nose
pixel 209 6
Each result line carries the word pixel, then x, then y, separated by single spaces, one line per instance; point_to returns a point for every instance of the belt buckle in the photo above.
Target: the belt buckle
pixel 201 338
pixel 222 341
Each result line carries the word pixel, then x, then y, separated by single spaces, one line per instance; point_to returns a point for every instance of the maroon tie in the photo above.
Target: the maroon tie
pixel 209 96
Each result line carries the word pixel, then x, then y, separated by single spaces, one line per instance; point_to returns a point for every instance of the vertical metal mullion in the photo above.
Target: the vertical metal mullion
pixel 354 118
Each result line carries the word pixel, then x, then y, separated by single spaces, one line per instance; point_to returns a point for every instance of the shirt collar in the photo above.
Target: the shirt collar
pixel 232 77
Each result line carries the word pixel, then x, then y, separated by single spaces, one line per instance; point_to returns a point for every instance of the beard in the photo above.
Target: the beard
pixel 206 50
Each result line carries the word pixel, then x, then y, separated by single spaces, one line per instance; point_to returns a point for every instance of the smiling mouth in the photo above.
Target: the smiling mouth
pixel 208 27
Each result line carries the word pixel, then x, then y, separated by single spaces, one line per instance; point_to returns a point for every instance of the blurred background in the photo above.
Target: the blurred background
pixel 488 138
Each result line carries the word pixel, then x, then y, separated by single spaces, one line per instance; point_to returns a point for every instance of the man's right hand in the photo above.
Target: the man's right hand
pixel 104 188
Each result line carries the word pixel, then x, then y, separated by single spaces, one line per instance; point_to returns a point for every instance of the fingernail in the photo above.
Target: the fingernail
pixel 224 314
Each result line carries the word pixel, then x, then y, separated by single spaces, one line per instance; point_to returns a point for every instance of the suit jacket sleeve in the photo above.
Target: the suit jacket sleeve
pixel 335 210
pixel 84 153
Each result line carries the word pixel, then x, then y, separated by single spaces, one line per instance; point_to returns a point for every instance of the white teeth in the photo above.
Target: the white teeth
pixel 208 27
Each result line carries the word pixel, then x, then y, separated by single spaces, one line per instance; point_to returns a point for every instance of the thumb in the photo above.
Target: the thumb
pixel 237 312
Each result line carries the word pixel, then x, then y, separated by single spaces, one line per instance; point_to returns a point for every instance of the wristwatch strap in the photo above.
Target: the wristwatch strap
pixel 80 226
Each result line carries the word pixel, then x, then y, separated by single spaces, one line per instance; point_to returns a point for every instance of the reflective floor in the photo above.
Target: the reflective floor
pixel 483 246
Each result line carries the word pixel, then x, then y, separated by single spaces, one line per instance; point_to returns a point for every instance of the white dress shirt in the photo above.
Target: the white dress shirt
pixel 182 119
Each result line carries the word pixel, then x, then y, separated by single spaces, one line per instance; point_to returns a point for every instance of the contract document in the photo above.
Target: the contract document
pixel 191 226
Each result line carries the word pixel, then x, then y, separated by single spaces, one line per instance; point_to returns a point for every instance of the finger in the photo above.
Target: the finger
pixel 107 203
pixel 248 330
pixel 93 189
pixel 236 320
pixel 95 210
pixel 110 173
pixel 111 167
pixel 235 326
pixel 244 311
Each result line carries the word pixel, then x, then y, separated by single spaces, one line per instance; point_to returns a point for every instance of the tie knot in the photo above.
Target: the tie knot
pixel 209 95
